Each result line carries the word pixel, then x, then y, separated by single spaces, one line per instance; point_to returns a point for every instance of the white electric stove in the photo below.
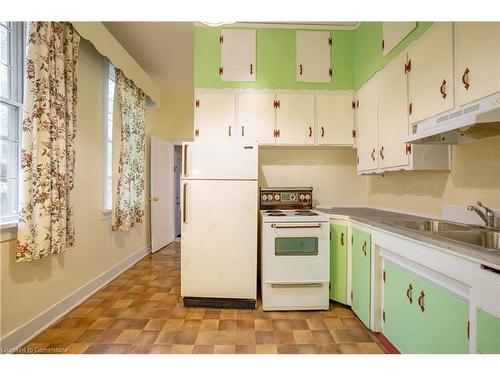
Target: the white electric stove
pixel 295 254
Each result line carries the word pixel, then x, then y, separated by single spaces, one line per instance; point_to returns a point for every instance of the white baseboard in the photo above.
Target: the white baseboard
pixel 27 331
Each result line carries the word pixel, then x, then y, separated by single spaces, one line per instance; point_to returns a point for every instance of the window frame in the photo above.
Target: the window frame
pixel 107 201
pixel 17 65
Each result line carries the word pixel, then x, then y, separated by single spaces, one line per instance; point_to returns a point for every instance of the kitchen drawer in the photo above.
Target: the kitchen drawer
pixel 488 287
pixel 289 296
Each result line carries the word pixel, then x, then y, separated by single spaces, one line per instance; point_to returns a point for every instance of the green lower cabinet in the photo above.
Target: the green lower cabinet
pixel 361 275
pixel 421 318
pixel 338 263
pixel 488 333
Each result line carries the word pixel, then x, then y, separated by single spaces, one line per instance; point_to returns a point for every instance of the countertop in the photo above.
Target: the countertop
pixel 381 219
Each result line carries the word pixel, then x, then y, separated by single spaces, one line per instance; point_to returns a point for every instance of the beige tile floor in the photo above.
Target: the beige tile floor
pixel 141 311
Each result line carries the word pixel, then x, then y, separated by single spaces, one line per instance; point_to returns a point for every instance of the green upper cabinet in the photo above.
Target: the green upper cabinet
pixel 275 60
pixel 420 318
pixel 488 333
pixel 361 275
pixel 338 263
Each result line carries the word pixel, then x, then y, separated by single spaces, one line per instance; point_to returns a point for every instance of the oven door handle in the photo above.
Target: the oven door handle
pixel 296 285
pixel 295 226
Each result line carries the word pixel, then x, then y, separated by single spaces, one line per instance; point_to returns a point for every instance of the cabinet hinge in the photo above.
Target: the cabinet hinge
pixel 197 103
pixel 221 39
pixel 408 149
pixel 358 160
pixel 197 132
pixel 330 236
pixel 383 44
pixel 353 104
pixel 383 315
pixel 410 108
pixel 354 133
pixel 352 295
pixel 330 72
pixel 221 70
pixel 352 237
pixel 408 67
pixel 330 41
pixel 384 276
pixel 468 330
pixel 330 286
pixel 357 103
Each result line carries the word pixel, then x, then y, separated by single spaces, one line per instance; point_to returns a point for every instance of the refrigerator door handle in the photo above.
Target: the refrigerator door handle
pixel 184 203
pixel 184 163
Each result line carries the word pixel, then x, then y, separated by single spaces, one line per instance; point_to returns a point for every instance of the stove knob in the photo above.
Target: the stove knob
pixel 264 197
pixel 293 197
pixel 270 197
pixel 308 197
pixel 301 197
pixel 276 197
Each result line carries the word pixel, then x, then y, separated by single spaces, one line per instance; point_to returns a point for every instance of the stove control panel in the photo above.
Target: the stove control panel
pixel 285 198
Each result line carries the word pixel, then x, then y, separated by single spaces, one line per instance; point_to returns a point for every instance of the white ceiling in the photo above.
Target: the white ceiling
pixel 163 49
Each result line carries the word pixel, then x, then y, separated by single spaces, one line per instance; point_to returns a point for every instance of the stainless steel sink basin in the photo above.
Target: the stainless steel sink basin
pixel 431 225
pixel 489 239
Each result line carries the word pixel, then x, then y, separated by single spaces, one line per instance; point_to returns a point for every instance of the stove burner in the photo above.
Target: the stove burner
pixel 275 214
pixel 298 211
pixel 310 213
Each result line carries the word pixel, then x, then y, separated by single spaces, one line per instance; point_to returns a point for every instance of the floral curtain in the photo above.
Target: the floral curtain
pixel 47 142
pixel 128 205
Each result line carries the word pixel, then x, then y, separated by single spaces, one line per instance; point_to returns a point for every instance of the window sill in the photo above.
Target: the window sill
pixel 8 231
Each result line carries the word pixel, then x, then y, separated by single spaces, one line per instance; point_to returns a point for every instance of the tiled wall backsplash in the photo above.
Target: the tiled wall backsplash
pixel 475 176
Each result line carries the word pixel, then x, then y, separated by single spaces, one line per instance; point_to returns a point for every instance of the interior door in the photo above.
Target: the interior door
pixel 335 119
pixel 162 193
pixel 295 119
pixel 257 117
pixel 393 114
pixel 477 60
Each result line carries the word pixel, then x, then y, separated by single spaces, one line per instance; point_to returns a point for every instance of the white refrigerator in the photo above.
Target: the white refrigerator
pixel 219 204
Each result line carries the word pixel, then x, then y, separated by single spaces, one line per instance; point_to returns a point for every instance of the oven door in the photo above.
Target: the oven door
pixel 295 252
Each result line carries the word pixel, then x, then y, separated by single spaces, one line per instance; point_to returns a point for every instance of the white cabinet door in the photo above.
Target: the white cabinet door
pixel 238 55
pixel 295 119
pixel 431 79
pixel 334 121
pixel 366 125
pixel 393 114
pixel 393 33
pixel 477 60
pixel 313 56
pixel 257 117
pixel 214 117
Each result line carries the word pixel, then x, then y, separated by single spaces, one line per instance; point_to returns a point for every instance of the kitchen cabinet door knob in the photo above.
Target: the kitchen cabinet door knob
pixel 442 89
pixel 310 131
pixel 465 78
pixel 421 301
pixel 409 293
pixel 322 132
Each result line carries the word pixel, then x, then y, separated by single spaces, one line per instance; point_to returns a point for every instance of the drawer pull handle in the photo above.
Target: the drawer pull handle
pixel 300 69
pixel 421 301
pixel 465 78
pixel 310 131
pixel 409 293
pixel 381 152
pixel 297 285
pixel 373 154
pixel 322 132
pixel 342 239
pixel 442 89
pixel 363 248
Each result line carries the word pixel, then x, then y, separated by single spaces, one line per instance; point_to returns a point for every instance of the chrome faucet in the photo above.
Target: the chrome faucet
pixel 488 216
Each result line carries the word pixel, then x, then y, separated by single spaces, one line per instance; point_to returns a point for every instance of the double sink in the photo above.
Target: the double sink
pixel 489 239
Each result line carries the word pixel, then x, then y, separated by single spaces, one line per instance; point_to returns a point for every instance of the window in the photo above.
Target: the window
pixel 108 136
pixel 11 109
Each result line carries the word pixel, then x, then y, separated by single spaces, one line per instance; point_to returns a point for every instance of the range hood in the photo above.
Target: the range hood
pixel 463 125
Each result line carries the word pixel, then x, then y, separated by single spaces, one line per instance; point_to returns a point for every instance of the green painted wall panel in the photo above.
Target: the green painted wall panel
pixel 368 49
pixel 275 60
pixel 338 263
pixel 488 333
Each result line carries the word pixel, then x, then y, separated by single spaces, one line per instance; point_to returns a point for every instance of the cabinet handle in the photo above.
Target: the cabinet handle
pixel 442 89
pixel 310 131
pixel 342 239
pixel 421 301
pixel 300 69
pixel 229 131
pixel 381 152
pixel 251 69
pixel 184 200
pixel 373 154
pixel 242 131
pixel 363 248
pixel 185 159
pixel 465 78
pixel 322 132
pixel 409 293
